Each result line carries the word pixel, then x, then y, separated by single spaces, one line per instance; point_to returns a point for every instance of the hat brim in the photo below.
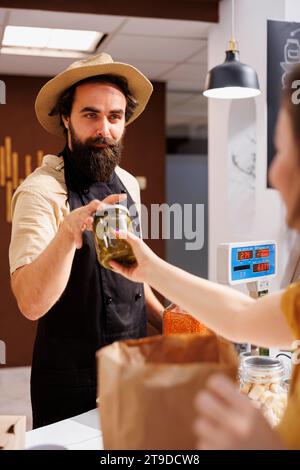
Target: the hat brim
pixel 140 87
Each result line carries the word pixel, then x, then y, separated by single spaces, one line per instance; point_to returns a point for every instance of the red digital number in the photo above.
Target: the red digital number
pixel 242 255
pixel 264 253
pixel 258 268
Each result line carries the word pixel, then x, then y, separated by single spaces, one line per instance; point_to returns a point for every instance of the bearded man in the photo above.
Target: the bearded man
pixel 55 275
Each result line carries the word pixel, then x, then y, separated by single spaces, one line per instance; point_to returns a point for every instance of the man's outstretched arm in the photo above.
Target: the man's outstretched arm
pixel 38 286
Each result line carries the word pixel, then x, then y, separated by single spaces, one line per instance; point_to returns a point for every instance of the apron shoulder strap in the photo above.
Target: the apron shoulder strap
pixel 132 186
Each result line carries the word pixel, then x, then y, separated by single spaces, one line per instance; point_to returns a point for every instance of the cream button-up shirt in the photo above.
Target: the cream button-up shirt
pixel 39 205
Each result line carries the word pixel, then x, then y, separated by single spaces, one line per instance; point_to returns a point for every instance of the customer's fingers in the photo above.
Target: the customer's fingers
pixel 224 388
pixel 210 436
pixel 211 406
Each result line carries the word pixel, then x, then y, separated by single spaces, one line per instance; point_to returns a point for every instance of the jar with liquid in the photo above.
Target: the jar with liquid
pixel 262 379
pixel 107 223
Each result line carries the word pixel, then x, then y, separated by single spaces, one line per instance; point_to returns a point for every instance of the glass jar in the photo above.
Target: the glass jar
pixel 243 355
pixel 262 380
pixel 107 223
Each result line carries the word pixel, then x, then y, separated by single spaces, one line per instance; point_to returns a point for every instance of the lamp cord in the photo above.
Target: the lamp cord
pixel 232 21
pixel 232 42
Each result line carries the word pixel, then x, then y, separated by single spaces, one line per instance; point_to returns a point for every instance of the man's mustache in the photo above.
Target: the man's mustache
pixel 101 141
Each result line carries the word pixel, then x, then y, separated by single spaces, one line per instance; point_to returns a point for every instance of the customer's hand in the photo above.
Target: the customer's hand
pixel 144 257
pixel 228 420
pixel 81 219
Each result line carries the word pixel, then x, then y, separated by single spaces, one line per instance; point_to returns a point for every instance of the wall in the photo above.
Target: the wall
pixel 143 156
pixel 292 10
pixel 186 181
pixel 268 223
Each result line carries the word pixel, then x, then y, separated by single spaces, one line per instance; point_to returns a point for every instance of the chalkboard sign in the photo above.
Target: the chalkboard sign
pixel 283 51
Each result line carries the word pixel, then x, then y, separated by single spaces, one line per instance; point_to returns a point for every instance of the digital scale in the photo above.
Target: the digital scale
pixel 253 264
pixel 250 263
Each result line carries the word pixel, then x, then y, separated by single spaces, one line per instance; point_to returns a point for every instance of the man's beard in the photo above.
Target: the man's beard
pixel 97 164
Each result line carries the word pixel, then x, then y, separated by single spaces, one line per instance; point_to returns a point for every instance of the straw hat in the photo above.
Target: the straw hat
pixel 100 64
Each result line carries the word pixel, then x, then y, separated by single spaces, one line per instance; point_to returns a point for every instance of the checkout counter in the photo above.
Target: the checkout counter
pixel 81 432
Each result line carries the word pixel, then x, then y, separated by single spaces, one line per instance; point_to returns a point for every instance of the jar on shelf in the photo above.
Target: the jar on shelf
pixel 243 355
pixel 262 379
pixel 107 223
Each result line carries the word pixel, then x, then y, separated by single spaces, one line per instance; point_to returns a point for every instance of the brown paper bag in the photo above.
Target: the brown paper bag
pixel 147 388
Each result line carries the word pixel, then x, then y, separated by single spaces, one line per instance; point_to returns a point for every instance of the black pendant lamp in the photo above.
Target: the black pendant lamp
pixel 232 79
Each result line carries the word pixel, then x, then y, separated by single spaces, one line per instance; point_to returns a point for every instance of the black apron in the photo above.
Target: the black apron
pixel 97 308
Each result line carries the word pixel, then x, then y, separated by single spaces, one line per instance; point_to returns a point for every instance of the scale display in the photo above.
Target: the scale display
pixel 262 253
pixel 245 254
pixel 248 263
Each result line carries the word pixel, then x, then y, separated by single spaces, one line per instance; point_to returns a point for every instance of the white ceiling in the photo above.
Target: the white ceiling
pixel 174 51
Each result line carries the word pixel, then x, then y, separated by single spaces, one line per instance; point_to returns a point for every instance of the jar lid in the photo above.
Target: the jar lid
pixel 263 362
pixel 262 369
pixel 112 208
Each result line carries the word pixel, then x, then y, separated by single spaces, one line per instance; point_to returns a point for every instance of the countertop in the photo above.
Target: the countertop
pixel 81 432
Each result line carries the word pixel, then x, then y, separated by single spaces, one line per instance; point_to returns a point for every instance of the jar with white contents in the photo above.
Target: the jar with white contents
pixel 263 380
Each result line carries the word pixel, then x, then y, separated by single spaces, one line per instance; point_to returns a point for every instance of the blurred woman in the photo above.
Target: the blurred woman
pixel 227 419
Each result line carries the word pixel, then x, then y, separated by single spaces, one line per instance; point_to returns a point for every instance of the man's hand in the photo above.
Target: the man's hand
pixel 228 420
pixel 81 219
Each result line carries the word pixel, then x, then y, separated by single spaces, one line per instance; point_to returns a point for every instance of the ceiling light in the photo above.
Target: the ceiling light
pixel 232 79
pixel 51 39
